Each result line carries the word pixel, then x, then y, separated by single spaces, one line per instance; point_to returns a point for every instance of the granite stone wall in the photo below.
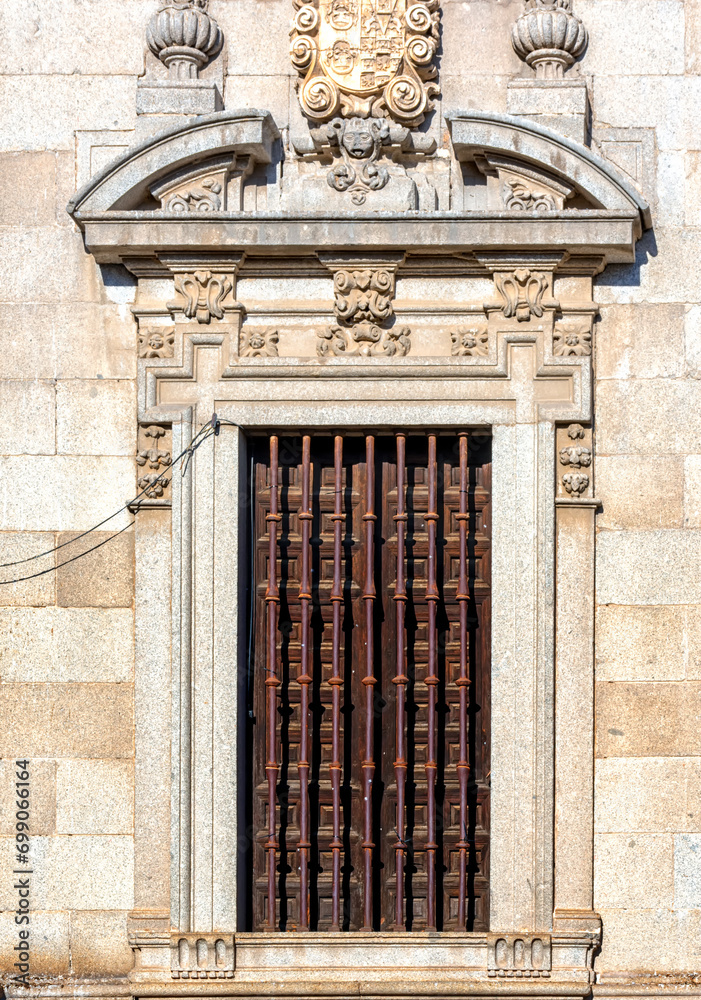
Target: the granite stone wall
pixel 68 85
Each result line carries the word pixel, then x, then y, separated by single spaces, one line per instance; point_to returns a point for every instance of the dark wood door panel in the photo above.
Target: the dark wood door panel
pixel 459 828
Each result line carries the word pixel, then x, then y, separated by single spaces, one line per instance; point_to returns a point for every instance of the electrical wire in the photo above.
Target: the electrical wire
pixel 194 444
pixel 211 427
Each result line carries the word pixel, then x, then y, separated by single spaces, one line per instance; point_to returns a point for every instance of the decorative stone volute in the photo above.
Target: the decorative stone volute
pixel 184 37
pixel 549 37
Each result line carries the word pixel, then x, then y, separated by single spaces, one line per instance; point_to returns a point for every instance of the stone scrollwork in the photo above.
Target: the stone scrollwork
pixel 366 58
pixel 371 341
pixel 571 339
pixel 255 342
pixel 204 199
pixel 359 142
pixel 522 292
pixel 470 341
pixel 363 295
pixel 520 198
pixel 203 293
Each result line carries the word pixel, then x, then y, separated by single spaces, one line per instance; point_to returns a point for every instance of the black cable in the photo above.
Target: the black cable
pixel 80 555
pixel 194 444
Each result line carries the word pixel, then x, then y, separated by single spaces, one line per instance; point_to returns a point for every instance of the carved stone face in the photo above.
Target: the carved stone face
pixel 358 141
pixel 341 57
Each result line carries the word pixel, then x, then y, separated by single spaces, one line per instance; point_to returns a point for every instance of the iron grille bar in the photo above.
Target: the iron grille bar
pixel 272 682
pixel 431 517
pixel 336 682
pixel 463 682
pixel 369 680
pixel 400 679
pixel 304 680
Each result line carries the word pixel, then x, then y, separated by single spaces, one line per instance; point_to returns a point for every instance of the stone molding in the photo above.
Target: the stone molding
pixel 516 361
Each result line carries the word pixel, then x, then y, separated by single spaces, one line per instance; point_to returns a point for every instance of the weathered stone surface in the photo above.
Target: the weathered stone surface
pixel 50 947
pixel 670 104
pixel 51 262
pixel 640 492
pixel 692 339
pixel 42 789
pixel 647 794
pixel 103 578
pixel 83 491
pixel 659 38
pixel 640 341
pixel 692 491
pixel 95 796
pixel 27 187
pixel 623 423
pixel 648 643
pixel 67 340
pixel 35 432
pixel 270 92
pixel 648 720
pixel 66 720
pixel 66 644
pixel 15 547
pixel 655 939
pixel 99 943
pixel 43 112
pixel 76 873
pixel 687 871
pixel 633 870
pixel 96 417
pixel 648 567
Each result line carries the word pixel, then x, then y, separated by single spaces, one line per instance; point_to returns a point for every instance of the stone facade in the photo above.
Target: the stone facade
pixel 467 242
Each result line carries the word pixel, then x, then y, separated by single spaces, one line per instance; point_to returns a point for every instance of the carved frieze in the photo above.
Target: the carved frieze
pixel 364 340
pixel 155 342
pixel 519 955
pixel 363 295
pixel 519 197
pixel 366 58
pixel 202 956
pixel 258 342
pixel 470 341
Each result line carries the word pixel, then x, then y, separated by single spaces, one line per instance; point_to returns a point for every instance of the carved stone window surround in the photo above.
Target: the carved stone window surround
pixel 190 576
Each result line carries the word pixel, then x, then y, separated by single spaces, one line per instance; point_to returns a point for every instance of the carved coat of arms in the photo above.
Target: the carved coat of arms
pixel 366 58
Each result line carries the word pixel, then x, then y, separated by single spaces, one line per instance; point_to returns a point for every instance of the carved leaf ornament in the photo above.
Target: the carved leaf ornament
pixel 366 58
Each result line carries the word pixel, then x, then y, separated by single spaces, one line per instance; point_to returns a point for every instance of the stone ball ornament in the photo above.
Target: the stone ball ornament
pixel 549 37
pixel 184 37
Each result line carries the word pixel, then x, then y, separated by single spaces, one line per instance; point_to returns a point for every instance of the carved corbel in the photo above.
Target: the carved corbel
pixel 205 287
pixel 363 293
pixel 524 286
pixel 202 956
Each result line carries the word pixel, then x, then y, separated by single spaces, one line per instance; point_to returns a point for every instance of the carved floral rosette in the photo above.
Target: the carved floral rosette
pixel 366 58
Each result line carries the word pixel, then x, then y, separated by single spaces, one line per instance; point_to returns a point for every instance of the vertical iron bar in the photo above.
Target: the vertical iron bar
pixel 401 681
pixel 336 682
pixel 272 682
pixel 304 680
pixel 369 680
pixel 463 682
pixel 431 682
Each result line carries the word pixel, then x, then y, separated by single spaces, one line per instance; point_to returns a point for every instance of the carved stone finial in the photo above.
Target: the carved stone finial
pixel 184 37
pixel 549 37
